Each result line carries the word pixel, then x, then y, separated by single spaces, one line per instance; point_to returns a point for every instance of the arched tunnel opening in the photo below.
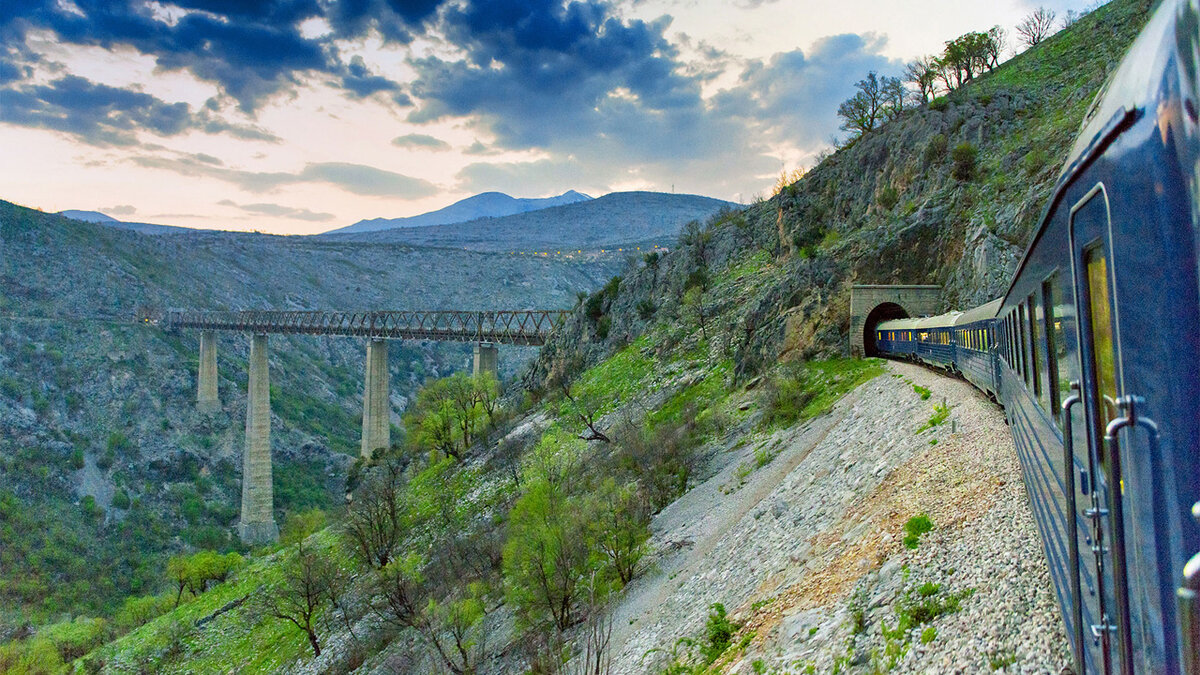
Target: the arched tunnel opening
pixel 883 312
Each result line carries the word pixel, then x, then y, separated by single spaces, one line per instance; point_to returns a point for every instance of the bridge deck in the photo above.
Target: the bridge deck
pixel 525 327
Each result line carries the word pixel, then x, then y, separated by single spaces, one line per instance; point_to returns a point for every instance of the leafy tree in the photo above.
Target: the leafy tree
pixel 195 572
pixel 1036 27
pixel 622 527
pixel 547 555
pixel 894 96
pixel 862 112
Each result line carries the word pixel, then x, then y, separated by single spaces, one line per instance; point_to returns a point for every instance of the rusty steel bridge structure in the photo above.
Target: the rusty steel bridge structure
pixel 521 327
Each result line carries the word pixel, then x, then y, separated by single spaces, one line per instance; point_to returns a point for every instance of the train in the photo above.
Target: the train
pixel 1094 354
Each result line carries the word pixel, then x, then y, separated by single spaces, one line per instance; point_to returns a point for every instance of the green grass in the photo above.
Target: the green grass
pixel 941 411
pixel 924 392
pixel 617 379
pixel 802 393
pixel 914 528
pixel 173 644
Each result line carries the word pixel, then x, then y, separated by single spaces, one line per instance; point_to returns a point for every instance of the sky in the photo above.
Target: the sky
pixel 300 116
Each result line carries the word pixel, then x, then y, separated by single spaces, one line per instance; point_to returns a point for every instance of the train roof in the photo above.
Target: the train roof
pixel 980 313
pixel 940 321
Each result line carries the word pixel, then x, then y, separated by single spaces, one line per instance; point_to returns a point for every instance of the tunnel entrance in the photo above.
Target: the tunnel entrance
pixel 883 312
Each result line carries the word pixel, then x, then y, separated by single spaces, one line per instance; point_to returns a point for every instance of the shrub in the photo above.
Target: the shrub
pixel 936 149
pixel 646 309
pixel 924 392
pixel 915 527
pixel 718 632
pixel 964 156
pixel 77 459
pixel 785 397
pixel 887 198
pixel 120 499
pixel 939 104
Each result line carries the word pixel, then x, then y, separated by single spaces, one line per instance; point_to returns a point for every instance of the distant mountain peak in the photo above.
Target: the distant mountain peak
pixel 88 216
pixel 482 205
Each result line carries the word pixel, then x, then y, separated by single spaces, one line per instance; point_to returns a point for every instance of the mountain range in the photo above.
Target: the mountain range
pixel 483 205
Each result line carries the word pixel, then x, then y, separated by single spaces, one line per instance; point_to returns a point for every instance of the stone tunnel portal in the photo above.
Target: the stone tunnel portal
pixel 884 312
pixel 871 304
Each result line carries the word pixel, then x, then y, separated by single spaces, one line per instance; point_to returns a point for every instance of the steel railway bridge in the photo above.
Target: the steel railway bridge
pixel 486 329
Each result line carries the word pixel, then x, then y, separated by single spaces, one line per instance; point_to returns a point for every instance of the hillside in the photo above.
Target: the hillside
pixel 100 443
pixel 485 205
pixel 617 220
pixel 694 482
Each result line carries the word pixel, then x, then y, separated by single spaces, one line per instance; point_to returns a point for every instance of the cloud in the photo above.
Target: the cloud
pixel 357 179
pixel 367 180
pixel 280 210
pixel 108 116
pixel 361 82
pixel 794 96
pixel 421 141
pixel 120 210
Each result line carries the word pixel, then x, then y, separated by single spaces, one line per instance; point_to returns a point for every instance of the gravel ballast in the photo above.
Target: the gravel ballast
pixel 807 551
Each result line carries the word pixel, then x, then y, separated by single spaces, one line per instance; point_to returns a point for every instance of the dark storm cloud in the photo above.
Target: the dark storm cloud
pixel 358 179
pixel 538 72
pixel 250 50
pixel 420 141
pixel 107 116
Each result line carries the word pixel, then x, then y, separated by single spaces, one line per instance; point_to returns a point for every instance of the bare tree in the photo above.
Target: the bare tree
pixel 997 38
pixel 375 520
pixel 306 588
pixel 1036 27
pixel 586 412
pixel 594 657
pixel 923 73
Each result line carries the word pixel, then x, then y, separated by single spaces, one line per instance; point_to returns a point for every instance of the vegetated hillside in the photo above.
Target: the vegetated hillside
pixel 508 554
pixel 484 205
pixel 947 194
pixel 104 462
pixel 617 220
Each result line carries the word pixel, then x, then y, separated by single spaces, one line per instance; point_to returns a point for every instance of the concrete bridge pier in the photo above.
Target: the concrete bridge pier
pixel 257 524
pixel 207 399
pixel 487 359
pixel 377 424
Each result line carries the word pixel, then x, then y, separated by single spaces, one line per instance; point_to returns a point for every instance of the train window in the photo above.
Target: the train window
pixel 1104 371
pixel 1056 352
pixel 1037 351
pixel 1022 348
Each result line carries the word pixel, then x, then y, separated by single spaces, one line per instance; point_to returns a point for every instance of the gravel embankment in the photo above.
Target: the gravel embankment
pixel 806 552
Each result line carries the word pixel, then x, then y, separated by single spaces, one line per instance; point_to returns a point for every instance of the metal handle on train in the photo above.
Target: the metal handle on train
pixel 1188 599
pixel 1073 537
pixel 1116 489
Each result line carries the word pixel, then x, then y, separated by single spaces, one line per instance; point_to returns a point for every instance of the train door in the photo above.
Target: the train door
pixel 1107 630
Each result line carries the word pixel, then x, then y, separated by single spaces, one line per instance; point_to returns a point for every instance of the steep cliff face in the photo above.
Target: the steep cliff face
pixel 948 194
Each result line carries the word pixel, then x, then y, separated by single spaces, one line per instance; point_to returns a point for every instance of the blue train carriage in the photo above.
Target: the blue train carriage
pixel 928 339
pixel 1099 338
pixel 975 354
